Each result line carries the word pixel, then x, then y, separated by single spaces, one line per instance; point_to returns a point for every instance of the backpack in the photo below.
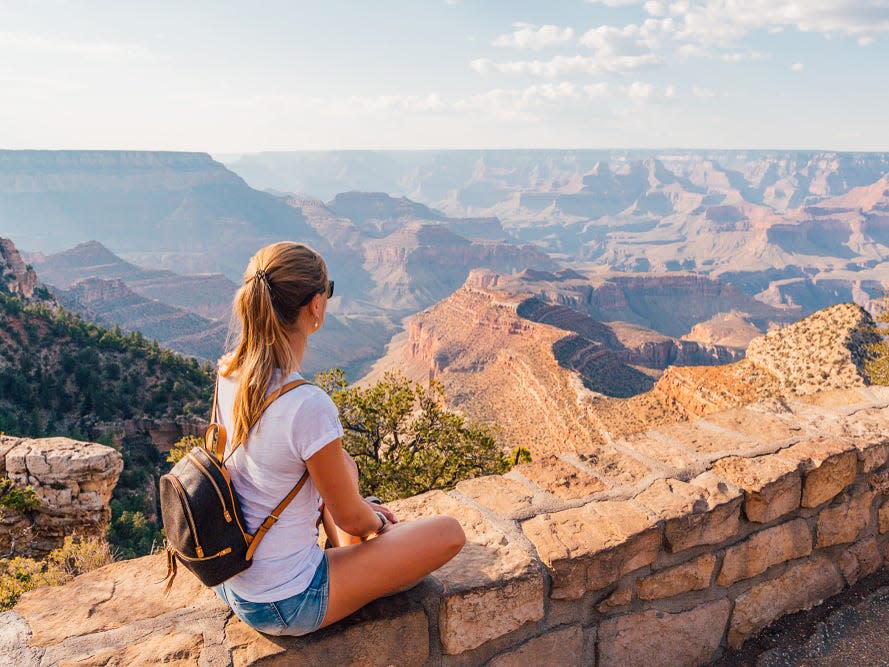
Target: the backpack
pixel 203 522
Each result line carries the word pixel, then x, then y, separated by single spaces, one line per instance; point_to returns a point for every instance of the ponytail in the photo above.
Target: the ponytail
pixel 280 279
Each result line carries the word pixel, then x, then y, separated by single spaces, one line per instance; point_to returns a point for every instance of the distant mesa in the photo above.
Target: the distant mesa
pixel 362 207
pixel 721 213
pixel 169 210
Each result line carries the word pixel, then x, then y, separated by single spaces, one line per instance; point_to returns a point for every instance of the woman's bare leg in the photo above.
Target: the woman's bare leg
pixel 393 561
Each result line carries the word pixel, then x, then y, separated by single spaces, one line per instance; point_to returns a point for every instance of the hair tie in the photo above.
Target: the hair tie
pixel 263 276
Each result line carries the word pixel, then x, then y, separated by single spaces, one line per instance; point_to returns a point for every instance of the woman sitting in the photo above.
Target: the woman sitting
pixel 293 586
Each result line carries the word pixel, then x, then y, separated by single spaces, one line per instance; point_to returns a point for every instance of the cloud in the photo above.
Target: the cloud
pixel 617 50
pixel 569 65
pixel 797 67
pixel 596 90
pixel 529 36
pixel 742 56
pixel 655 8
pixel 639 92
pixel 616 41
pixel 865 41
pixel 702 93
pixel 720 22
pixel 11 42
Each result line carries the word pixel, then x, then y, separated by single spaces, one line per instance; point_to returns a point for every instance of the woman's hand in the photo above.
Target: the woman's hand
pixel 385 511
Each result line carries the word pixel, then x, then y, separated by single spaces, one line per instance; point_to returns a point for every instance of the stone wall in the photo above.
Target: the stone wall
pixel 73 481
pixel 720 527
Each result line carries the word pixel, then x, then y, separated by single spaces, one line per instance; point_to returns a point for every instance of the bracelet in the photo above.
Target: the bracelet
pixel 384 522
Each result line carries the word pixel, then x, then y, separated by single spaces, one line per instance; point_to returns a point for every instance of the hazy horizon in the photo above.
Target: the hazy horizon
pixel 455 74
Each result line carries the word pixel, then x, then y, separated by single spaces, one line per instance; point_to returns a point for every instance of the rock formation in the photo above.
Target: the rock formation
pixel 16 277
pixel 73 481
pixel 206 294
pixel 166 210
pixel 494 347
pixel 112 303
pixel 825 350
pixel 719 527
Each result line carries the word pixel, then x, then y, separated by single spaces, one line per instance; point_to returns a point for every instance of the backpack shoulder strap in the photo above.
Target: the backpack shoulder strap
pixel 272 518
pixel 219 430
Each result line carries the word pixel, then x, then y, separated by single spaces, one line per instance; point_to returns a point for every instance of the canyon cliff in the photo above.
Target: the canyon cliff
pixel 503 342
pixel 73 481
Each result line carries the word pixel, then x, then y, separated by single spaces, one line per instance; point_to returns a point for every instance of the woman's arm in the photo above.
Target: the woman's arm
pixel 327 468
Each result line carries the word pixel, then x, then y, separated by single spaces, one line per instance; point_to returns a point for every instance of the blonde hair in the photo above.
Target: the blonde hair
pixel 279 281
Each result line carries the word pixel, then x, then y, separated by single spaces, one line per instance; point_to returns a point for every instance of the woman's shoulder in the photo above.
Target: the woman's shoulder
pixel 308 396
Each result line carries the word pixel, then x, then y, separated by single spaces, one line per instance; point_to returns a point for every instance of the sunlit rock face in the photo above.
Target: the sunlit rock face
pixel 16 277
pixel 73 481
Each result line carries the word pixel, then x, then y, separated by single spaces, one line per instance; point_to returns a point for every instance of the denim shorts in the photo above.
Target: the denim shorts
pixel 297 615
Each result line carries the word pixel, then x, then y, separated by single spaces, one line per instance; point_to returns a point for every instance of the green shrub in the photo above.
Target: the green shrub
pixel 404 440
pixel 76 556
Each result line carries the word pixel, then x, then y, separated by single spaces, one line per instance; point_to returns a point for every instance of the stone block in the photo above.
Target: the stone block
pixel 873 451
pixel 399 640
pixel 613 465
pixel 111 597
pixel 471 618
pixel 663 451
pixel 562 647
pixel 708 442
pixel 766 429
pixel 694 575
pixel 883 517
pixel 507 497
pixel 492 587
pixel 592 546
pixel 764 549
pixel 772 486
pixel 621 596
pixel 843 522
pixel 562 479
pixel 705 511
pixel 829 465
pixel 802 586
pixel 172 647
pixel 684 639
pixel 859 560
pixel 868 425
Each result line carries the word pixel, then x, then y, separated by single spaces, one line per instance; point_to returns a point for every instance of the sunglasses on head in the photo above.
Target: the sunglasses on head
pixel 328 292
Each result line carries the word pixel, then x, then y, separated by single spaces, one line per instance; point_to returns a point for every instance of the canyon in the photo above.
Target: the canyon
pixel 402 230
pixel 707 533
pixel 502 341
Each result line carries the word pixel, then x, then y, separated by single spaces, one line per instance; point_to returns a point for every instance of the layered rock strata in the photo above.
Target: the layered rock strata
pixel 725 525
pixel 73 481
pixel 579 380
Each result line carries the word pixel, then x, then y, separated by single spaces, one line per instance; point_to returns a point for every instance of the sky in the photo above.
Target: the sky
pixel 274 75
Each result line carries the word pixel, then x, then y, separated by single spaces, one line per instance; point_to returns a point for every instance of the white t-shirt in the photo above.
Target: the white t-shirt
pixel 264 470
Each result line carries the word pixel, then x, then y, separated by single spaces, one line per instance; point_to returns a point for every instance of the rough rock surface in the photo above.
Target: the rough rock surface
pixel 73 481
pixel 685 638
pixel 15 276
pixel 662 568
